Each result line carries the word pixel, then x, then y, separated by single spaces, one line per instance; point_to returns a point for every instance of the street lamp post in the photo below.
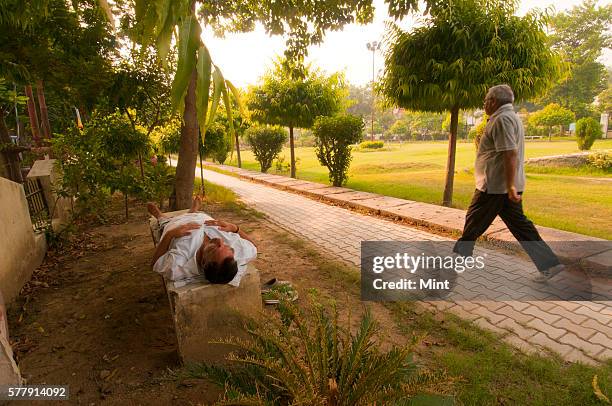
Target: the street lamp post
pixel 373 46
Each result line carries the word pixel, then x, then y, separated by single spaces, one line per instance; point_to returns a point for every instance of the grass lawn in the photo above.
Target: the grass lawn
pixel 572 200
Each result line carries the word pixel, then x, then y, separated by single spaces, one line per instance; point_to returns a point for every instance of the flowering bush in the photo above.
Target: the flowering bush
pixel 601 160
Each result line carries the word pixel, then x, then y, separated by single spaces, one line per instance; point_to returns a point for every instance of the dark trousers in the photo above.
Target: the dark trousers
pixel 481 213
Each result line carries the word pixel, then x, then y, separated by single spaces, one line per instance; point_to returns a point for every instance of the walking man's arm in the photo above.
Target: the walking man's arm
pixel 510 164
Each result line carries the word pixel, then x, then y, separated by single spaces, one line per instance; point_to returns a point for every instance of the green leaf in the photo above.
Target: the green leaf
pixel 230 118
pixel 204 67
pixel 237 97
pixel 188 43
pixel 217 85
pixel 166 23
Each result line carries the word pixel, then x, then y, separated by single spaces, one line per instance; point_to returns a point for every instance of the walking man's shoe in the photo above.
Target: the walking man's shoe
pixel 546 274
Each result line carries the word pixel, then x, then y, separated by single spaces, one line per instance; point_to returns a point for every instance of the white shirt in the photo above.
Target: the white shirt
pixel 179 262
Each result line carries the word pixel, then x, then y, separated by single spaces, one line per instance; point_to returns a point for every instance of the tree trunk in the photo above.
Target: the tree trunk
pixel 32 114
pixel 450 163
pixel 44 115
pixel 291 147
pixel 238 150
pixel 140 164
pixel 12 170
pixel 188 152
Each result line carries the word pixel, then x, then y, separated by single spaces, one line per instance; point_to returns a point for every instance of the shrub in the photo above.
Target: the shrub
pixel 280 166
pixel 159 182
pixel 102 159
pixel 216 144
pixel 371 145
pixel 601 160
pixel 334 135
pixel 266 143
pixel 168 137
pixel 587 131
pixel 532 130
pixel 119 139
pixel 304 357
pixel 478 131
pixel 221 154
pixel 82 163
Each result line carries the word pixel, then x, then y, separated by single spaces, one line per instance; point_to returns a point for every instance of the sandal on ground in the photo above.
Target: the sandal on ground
pixel 279 290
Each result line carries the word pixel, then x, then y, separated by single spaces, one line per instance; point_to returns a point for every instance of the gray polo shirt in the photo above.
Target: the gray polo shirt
pixel 504 132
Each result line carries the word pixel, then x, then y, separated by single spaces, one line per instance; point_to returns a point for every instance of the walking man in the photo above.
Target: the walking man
pixel 500 182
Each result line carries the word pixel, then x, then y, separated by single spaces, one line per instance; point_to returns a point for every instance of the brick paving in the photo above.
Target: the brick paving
pixel 578 331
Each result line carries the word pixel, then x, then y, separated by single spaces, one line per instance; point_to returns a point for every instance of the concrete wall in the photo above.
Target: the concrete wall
pixel 573 160
pixel 21 250
pixel 9 372
pixel 60 209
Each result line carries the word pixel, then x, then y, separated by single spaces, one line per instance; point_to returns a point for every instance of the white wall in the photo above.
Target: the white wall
pixel 21 250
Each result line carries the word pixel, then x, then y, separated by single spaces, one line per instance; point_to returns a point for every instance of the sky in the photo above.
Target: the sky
pixel 244 58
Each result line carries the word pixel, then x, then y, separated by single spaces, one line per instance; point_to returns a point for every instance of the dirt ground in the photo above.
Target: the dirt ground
pixel 95 317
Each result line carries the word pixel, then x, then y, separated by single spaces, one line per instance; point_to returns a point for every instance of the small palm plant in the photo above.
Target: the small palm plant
pixel 305 358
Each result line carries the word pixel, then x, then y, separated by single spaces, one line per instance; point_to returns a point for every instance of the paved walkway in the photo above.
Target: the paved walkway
pixel 594 254
pixel 578 331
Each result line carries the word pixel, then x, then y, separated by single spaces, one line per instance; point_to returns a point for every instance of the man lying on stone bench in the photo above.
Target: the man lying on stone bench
pixel 194 243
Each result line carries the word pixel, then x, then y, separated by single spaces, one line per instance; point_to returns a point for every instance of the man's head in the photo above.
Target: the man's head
pixel 217 261
pixel 496 97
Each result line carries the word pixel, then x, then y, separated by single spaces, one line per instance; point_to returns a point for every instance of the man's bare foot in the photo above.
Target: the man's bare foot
pixel 195 206
pixel 154 210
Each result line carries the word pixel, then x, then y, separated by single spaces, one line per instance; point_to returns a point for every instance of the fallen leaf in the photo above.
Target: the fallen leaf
pixel 111 374
pixel 598 391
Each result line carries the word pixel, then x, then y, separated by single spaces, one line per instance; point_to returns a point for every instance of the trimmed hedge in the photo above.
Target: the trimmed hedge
pixel 371 145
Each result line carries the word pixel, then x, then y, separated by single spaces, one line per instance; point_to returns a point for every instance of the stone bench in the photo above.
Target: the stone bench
pixel 203 312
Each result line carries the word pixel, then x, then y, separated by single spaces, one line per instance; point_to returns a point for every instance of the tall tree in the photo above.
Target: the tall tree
pixel 66 45
pixel 604 101
pixel 359 100
pixel 465 47
pixel 551 116
pixel 295 103
pixel 159 24
pixel 140 89
pixel 581 34
pixel 304 23
pixel 47 41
